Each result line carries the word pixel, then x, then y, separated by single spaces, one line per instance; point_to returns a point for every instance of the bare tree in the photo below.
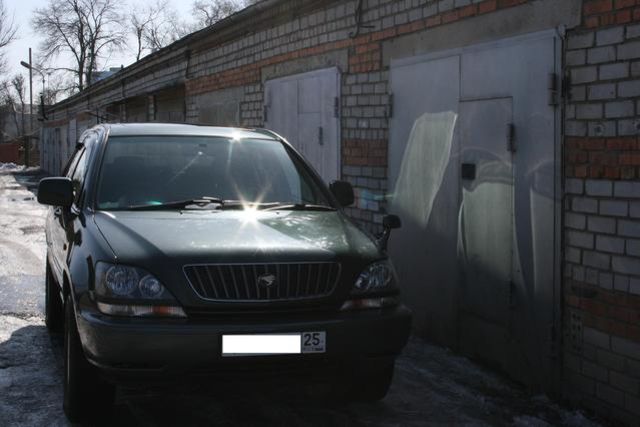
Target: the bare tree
pixel 155 26
pixel 9 103
pixel 85 29
pixel 7 32
pixel 57 84
pixel 139 21
pixel 13 95
pixel 208 12
pixel 19 88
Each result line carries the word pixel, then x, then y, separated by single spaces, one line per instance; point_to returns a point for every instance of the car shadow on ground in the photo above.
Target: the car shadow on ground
pixel 30 374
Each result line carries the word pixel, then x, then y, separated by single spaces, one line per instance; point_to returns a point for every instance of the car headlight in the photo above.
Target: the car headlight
pixel 129 291
pixel 375 287
pixel 377 277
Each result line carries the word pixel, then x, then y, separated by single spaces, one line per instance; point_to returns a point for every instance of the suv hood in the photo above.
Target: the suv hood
pixel 232 236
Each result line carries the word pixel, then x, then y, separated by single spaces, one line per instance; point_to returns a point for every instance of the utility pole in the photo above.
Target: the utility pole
pixel 27 148
pixel 31 68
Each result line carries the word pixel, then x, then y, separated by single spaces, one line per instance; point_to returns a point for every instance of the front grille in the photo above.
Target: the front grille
pixel 263 282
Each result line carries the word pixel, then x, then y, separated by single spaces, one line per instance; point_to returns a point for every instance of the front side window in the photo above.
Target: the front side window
pixel 78 174
pixel 71 164
pixel 155 170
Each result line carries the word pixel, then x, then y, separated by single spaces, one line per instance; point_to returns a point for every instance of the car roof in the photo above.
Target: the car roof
pixel 173 129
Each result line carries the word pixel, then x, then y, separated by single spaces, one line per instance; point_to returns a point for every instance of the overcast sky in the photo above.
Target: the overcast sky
pixel 19 49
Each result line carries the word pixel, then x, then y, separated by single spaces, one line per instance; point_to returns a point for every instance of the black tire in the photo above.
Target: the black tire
pixel 53 307
pixel 86 396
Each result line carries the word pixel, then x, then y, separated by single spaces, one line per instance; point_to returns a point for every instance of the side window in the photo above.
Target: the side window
pixel 73 161
pixel 71 164
pixel 79 173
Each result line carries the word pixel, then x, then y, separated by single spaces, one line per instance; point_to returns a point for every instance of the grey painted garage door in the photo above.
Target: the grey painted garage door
pixel 302 108
pixel 473 162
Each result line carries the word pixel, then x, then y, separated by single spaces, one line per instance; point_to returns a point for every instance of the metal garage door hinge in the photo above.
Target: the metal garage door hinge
pixel 336 107
pixel 511 137
pixel 264 114
pixel 390 106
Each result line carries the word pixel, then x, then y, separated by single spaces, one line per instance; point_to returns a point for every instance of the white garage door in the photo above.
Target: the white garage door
pixel 303 109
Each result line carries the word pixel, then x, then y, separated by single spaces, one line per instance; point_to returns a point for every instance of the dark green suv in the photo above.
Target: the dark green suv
pixel 175 250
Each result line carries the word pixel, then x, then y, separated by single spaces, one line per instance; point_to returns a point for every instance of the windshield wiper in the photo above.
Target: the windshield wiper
pixel 204 202
pixel 179 204
pixel 299 207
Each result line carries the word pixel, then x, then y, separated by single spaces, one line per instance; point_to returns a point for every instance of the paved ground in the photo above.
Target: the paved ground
pixel 432 386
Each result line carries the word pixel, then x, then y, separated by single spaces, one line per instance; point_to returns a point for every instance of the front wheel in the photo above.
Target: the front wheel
pixel 86 395
pixel 53 308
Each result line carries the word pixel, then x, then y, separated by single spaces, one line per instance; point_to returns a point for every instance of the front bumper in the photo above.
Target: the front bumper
pixel 123 345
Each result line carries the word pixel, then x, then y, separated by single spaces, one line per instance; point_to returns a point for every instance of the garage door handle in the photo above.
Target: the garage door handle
pixel 320 136
pixel 468 171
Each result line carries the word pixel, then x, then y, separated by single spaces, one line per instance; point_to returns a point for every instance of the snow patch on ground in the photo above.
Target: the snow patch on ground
pixel 22 243
pixel 9 166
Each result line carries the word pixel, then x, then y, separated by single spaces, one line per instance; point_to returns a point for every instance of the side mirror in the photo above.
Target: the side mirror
pixel 343 192
pixel 389 222
pixel 55 192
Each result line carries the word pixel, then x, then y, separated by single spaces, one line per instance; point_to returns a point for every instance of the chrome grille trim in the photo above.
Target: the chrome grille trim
pixel 238 282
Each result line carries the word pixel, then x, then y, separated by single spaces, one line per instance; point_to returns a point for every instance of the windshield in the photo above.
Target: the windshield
pixel 157 170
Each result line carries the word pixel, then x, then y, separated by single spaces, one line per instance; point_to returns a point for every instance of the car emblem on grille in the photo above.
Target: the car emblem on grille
pixel 266 281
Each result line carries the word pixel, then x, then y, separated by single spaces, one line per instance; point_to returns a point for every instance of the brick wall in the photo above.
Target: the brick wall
pixel 602 212
pixel 9 152
pixel 365 99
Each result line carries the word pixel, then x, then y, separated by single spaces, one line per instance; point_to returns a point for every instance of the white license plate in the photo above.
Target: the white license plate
pixel 274 344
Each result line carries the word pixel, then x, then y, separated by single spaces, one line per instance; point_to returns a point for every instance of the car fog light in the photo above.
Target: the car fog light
pixel 141 310
pixel 365 303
